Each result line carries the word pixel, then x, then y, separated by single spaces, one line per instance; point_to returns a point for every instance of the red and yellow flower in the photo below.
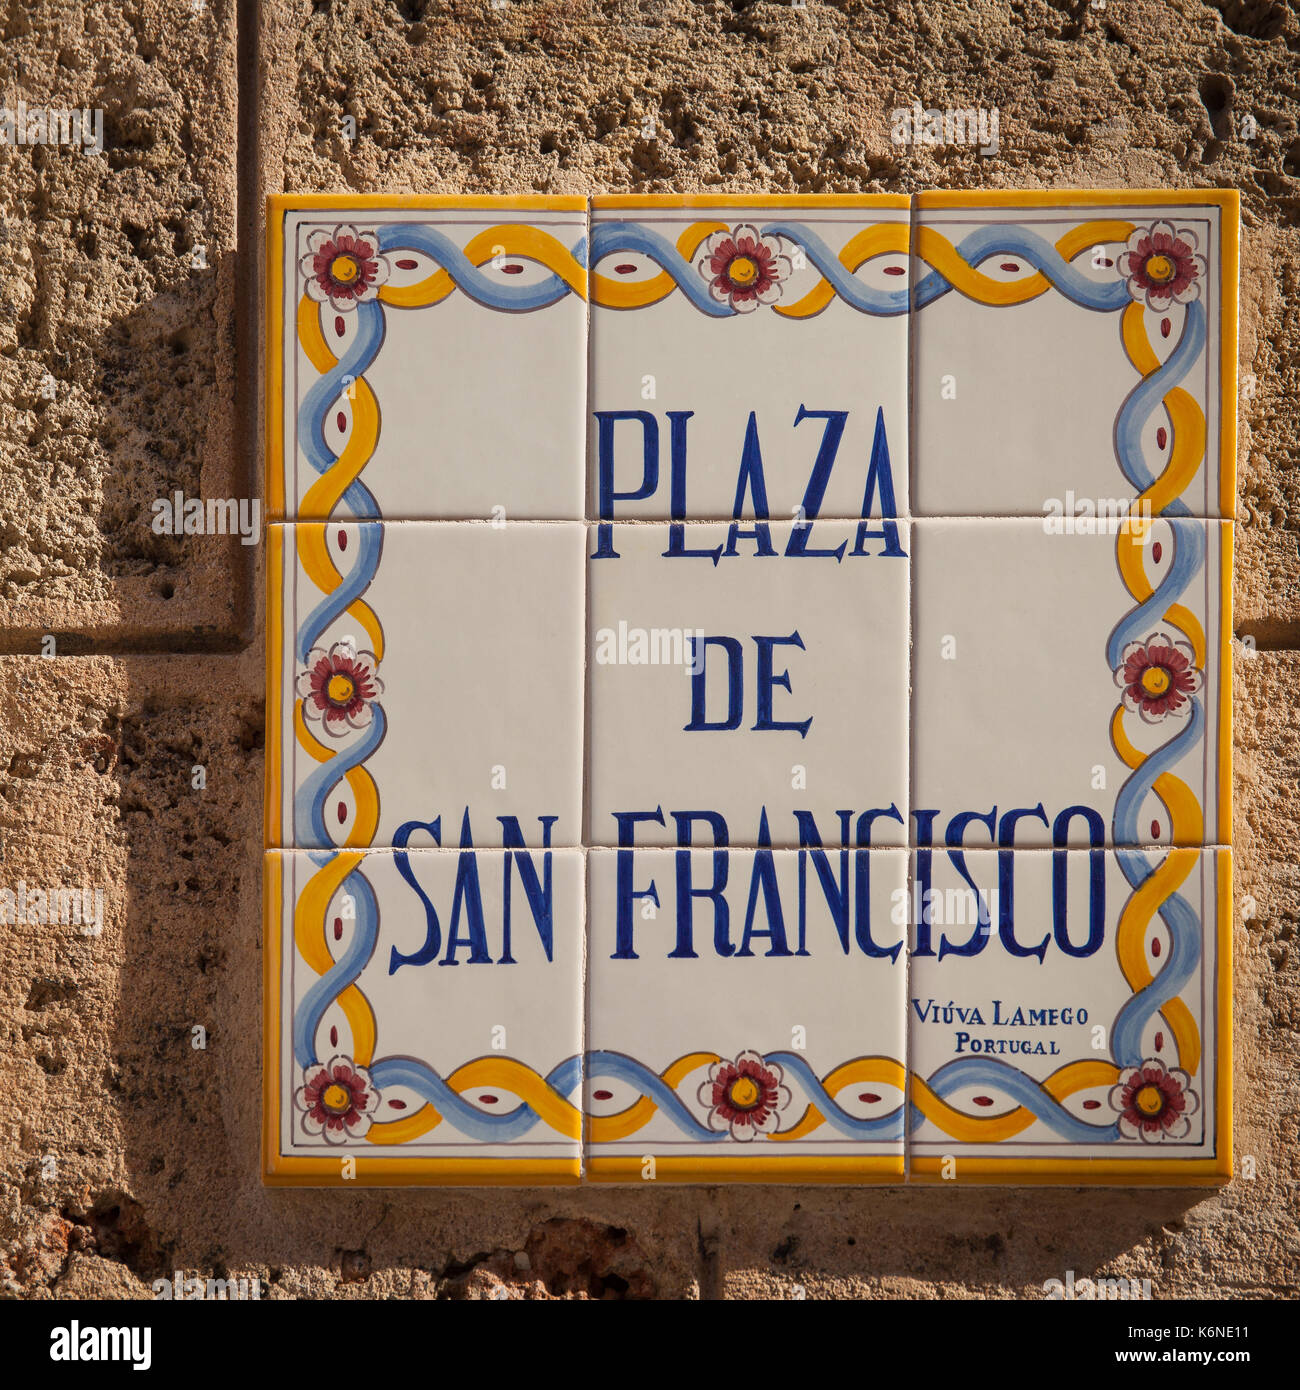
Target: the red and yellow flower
pixel 743 268
pixel 337 1099
pixel 1154 1103
pixel 1160 266
pixel 1158 677
pixel 339 688
pixel 745 1096
pixel 343 267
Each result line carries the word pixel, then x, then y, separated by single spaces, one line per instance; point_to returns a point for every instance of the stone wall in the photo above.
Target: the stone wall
pixel 131 280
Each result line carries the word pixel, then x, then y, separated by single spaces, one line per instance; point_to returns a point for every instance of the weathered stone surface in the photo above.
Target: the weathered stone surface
pixel 117 325
pixel 155 1144
pixel 134 1154
pixel 1266 577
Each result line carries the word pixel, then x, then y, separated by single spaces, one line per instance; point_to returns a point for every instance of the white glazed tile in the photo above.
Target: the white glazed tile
pixel 1055 389
pixel 1031 1004
pixel 446 988
pixel 1015 708
pixel 838 659
pixel 781 972
pixel 454 389
pixel 711 401
pixel 477 631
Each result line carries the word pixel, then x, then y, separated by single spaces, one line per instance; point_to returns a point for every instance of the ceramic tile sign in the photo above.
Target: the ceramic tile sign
pixel 746 1014
pixel 426 684
pixel 1069 1016
pixel 1121 703
pixel 749 689
pixel 1075 354
pixel 428 358
pixel 428 1016
pixel 748 357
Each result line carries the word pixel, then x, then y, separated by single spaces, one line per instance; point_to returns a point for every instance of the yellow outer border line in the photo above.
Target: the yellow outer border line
pixel 283 1171
pixel 1229 204
pixel 272 810
pixel 426 202
pixel 1074 1172
pixel 273 404
pixel 602 202
pixel 1223 1134
pixel 1080 197
pixel 289 1170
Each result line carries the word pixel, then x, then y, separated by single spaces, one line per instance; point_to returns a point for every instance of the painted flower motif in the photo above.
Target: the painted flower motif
pixel 339 687
pixel 744 1096
pixel 337 1099
pixel 1154 1103
pixel 743 269
pixel 1157 677
pixel 343 267
pixel 1161 266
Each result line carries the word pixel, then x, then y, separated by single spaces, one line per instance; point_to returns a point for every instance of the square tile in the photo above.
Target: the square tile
pixel 453 384
pixel 745 1015
pixel 1040 714
pixel 748 357
pixel 1072 350
pixel 424 1016
pixel 1070 1016
pixel 748 683
pixel 426 682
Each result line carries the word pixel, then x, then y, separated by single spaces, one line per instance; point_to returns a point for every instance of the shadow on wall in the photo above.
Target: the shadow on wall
pixel 113 409
pixel 177 497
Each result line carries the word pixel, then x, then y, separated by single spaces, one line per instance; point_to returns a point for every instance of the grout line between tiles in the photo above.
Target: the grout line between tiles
pixel 585 798
pixel 584 1024
pixel 902 517
pixel 745 848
